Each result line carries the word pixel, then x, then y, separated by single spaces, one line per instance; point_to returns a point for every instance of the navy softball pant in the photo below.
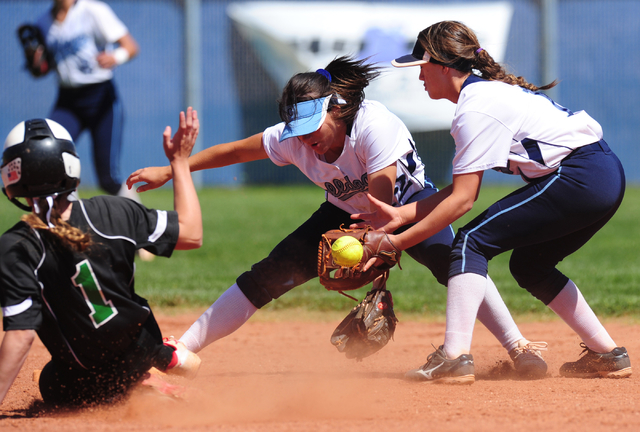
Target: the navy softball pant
pixel 294 260
pixel 544 221
pixel 97 108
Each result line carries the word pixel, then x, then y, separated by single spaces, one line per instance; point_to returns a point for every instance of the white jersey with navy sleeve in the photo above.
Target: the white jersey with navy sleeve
pixel 377 139
pixel 89 28
pixel 514 130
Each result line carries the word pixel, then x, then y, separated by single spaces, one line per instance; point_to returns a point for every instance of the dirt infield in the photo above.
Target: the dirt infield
pixel 275 375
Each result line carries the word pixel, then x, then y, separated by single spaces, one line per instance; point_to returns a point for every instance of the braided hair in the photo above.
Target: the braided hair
pixel 452 44
pixel 61 232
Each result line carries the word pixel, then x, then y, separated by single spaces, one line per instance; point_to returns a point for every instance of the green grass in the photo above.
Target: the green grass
pixel 242 226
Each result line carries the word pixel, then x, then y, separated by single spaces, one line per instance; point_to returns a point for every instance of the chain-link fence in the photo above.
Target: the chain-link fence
pixel 598 68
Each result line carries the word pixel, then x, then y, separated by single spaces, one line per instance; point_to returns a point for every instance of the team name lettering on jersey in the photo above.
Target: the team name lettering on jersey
pixel 343 190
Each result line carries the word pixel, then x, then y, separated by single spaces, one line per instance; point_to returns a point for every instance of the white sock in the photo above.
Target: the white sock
pixel 465 294
pixel 224 316
pixel 571 306
pixel 495 316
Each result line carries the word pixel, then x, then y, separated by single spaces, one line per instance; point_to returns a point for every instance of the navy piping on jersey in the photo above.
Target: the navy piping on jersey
pixel 471 79
pixel 44 299
pixel 531 146
pixel 464 245
pixel 411 163
pixel 411 168
pixel 533 150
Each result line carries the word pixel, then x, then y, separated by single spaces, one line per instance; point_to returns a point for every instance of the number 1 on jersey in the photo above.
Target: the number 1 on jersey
pixel 102 310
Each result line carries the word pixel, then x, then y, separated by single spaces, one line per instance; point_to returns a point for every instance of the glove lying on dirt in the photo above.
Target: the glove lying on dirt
pixel 369 325
pixel 39 60
pixel 375 244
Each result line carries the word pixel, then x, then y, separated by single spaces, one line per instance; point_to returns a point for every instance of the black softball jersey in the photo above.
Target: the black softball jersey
pixel 83 305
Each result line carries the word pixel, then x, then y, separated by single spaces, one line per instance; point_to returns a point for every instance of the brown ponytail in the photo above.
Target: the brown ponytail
pixel 455 45
pixel 69 236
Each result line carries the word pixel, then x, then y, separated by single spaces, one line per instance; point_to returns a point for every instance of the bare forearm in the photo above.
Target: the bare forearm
pixel 426 206
pixel 442 209
pixel 381 184
pixel 442 214
pixel 417 211
pixel 212 157
pixel 129 43
pixel 187 205
pixel 13 352
pixel 221 155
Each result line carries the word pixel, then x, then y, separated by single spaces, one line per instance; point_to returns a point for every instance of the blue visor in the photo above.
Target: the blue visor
pixel 309 116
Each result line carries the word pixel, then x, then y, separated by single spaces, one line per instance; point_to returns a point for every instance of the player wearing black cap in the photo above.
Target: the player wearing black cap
pixel 574 185
pixel 67 268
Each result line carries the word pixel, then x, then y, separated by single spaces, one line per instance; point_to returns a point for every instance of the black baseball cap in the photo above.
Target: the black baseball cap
pixel 417 57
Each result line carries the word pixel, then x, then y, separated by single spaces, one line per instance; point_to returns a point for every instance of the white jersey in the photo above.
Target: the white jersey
pixel 377 139
pixel 514 130
pixel 89 28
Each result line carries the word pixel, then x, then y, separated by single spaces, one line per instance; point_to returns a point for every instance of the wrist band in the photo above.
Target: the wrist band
pixel 120 55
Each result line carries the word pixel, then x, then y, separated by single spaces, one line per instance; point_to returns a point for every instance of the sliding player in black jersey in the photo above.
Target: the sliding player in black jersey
pixel 67 268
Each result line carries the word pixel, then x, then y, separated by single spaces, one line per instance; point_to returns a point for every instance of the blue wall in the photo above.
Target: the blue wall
pixel 599 70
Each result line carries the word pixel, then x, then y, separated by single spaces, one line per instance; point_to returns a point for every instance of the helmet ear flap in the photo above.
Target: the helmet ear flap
pixel 39 159
pixel 16 202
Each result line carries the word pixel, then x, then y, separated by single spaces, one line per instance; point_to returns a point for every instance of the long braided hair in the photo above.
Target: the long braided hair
pixel 344 77
pixel 455 45
pixel 62 232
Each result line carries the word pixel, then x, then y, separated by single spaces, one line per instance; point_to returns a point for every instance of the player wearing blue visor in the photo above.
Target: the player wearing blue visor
pixel 350 147
pixel 308 116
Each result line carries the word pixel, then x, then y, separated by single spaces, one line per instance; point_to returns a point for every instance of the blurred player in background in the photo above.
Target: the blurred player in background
pixel 67 268
pixel 349 146
pixel 83 41
pixel 575 184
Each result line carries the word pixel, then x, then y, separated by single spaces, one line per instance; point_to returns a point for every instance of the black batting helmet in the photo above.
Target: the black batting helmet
pixel 39 159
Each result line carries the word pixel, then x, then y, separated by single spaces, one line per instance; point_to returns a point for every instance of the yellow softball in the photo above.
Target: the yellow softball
pixel 347 251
